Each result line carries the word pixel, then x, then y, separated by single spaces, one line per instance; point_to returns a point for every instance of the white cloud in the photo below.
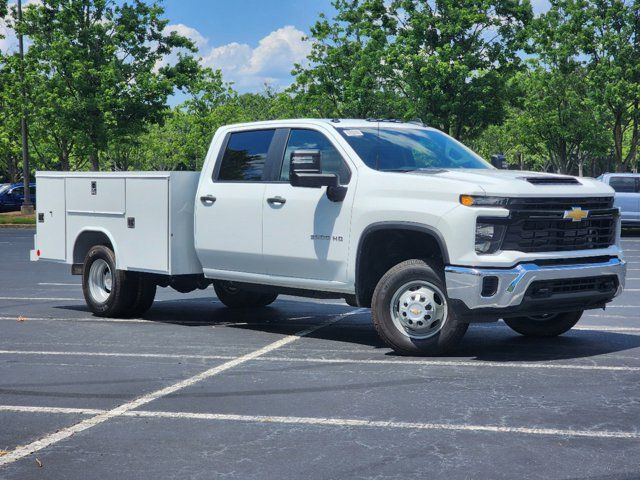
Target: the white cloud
pixel 271 61
pixel 249 68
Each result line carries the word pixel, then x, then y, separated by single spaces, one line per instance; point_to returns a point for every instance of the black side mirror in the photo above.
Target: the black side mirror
pixel 305 170
pixel 499 161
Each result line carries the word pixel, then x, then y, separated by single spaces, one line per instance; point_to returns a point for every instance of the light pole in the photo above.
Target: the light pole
pixel 27 206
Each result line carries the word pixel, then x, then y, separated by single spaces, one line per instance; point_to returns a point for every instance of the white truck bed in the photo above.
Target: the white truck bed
pixel 148 217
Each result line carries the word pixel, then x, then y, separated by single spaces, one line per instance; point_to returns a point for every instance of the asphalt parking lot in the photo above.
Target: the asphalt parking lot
pixel 301 389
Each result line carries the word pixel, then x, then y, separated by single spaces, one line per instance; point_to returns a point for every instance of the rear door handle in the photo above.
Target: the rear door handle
pixel 208 199
pixel 276 200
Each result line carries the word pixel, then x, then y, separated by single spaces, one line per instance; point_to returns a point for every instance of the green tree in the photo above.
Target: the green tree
pixel 605 36
pixel 445 61
pixel 102 65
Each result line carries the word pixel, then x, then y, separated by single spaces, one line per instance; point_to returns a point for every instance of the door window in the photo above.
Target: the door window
pixel 330 160
pixel 245 155
pixel 624 184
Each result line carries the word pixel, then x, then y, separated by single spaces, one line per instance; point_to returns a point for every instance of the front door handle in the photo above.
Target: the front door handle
pixel 276 201
pixel 208 199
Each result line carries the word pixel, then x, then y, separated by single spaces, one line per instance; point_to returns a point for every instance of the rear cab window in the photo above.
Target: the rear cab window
pixel 245 155
pixel 624 184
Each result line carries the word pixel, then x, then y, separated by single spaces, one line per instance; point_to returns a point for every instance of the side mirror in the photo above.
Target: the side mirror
pixel 305 170
pixel 499 161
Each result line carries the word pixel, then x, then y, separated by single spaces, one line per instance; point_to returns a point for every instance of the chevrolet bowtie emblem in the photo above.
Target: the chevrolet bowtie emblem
pixel 576 214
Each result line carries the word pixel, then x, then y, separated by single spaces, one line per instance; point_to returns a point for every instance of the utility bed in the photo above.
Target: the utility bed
pixel 147 217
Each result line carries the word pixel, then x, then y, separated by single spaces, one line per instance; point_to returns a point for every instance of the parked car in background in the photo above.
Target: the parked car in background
pixel 12 196
pixel 627 196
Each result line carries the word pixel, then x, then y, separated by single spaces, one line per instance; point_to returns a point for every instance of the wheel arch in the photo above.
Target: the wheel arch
pixel 87 239
pixel 367 275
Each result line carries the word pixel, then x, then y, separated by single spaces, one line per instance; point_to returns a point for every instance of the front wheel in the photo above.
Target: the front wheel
pixel 235 297
pixel 411 311
pixel 544 325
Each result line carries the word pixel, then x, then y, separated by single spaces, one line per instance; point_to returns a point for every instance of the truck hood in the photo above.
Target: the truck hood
pixel 520 183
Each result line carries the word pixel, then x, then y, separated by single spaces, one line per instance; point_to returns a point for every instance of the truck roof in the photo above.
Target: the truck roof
pixel 334 122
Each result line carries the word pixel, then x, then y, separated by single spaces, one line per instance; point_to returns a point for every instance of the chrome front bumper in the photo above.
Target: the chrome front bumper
pixel 465 283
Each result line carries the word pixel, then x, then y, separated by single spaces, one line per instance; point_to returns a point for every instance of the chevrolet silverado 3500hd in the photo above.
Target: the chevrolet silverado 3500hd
pixel 393 216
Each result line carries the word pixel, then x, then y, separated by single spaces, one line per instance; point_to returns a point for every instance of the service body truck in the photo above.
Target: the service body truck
pixel 397 217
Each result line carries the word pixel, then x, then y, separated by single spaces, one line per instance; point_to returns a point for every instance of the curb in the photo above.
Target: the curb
pixel 18 225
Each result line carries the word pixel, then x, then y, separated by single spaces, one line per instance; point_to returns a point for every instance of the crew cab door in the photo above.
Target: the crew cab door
pixel 306 235
pixel 627 197
pixel 228 213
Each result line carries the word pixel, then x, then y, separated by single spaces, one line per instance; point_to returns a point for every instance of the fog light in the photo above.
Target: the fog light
pixel 489 286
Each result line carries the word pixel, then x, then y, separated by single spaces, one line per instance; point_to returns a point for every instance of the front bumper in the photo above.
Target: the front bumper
pixel 465 286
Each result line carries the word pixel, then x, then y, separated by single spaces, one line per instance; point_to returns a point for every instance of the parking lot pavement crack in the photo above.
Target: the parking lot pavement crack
pixel 60 435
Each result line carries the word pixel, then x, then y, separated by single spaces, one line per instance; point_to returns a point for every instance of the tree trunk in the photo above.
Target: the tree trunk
pixel 12 170
pixel 617 143
pixel 93 156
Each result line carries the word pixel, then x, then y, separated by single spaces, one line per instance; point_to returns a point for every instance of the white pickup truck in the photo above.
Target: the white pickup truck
pixel 393 216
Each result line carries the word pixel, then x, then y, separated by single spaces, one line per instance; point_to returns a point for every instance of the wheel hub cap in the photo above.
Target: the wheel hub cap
pixel 100 281
pixel 418 309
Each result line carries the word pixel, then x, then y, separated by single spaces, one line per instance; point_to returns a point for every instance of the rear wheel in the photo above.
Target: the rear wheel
pixel 235 297
pixel 411 312
pixel 144 293
pixel 107 291
pixel 544 325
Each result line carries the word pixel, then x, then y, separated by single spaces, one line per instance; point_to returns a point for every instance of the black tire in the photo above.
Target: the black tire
pixel 451 330
pixel 144 293
pixel 115 300
pixel 236 297
pixel 550 325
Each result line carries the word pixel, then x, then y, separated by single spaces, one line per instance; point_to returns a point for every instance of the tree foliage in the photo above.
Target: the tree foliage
pixel 99 62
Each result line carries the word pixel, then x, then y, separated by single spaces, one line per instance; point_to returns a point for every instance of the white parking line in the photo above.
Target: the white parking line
pixel 69 319
pixel 331 422
pixel 118 354
pixel 285 321
pixel 46 299
pixel 25 409
pixel 61 284
pixel 417 362
pixel 120 410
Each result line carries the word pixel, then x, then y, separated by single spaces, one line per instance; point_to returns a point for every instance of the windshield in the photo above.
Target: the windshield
pixel 4 188
pixel 403 150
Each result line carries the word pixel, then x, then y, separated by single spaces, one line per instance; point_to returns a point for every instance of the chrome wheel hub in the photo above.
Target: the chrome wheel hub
pixel 100 281
pixel 419 309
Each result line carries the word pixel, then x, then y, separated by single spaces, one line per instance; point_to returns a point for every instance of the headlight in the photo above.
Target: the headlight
pixel 488 237
pixel 479 201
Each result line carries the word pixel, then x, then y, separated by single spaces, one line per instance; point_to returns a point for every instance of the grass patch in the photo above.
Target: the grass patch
pixel 17 219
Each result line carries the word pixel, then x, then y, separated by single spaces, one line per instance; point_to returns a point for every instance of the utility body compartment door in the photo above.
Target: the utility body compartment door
pixel 51 218
pixel 145 241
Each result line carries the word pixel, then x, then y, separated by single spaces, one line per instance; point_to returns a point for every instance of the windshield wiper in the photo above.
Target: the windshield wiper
pixel 400 170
